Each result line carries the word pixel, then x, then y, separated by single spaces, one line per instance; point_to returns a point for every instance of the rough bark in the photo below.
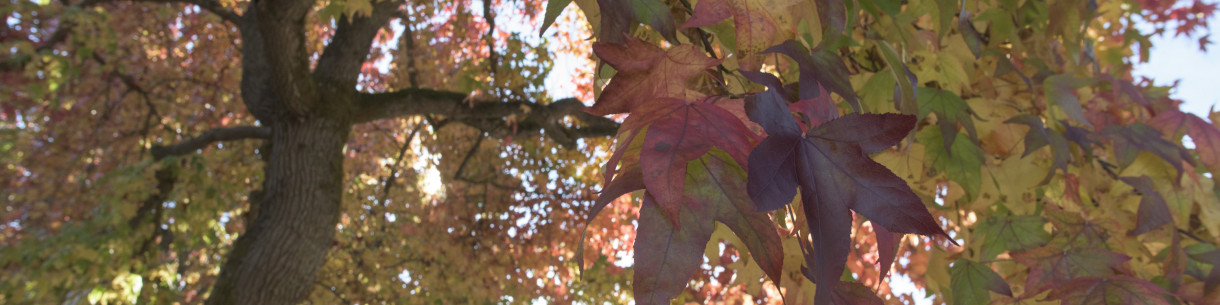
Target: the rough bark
pixel 307 116
pixel 276 260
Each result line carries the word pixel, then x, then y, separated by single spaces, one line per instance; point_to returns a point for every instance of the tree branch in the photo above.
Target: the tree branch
pixel 282 26
pixel 211 6
pixel 345 54
pixel 209 137
pixel 497 118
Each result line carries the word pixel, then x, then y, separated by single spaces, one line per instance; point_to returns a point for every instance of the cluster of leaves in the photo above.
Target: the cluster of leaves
pixel 435 211
pixel 1007 133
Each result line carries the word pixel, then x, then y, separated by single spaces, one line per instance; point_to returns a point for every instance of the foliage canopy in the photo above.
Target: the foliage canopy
pixel 409 152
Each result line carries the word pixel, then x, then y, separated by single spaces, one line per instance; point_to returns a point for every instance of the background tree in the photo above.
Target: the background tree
pixel 368 178
pixel 408 152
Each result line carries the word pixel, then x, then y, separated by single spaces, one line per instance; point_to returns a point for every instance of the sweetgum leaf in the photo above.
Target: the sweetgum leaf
pixel 619 15
pixel 905 81
pixel 834 176
pixel 718 181
pixel 853 293
pixel 820 68
pixel 1052 266
pixel 1059 90
pixel 553 9
pixel 873 132
pixel 769 109
pixel 1205 135
pixel 1129 140
pixel 965 26
pixel 1115 290
pixel 887 247
pixel 647 73
pixel 950 111
pixel 1153 212
pixel 628 180
pixel 667 255
pixel 1003 233
pixel 756 24
pixel 1037 136
pixel 971 281
pixel 680 133
pixel 962 162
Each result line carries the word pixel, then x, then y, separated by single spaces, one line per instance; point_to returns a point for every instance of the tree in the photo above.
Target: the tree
pixel 108 201
pixel 1011 128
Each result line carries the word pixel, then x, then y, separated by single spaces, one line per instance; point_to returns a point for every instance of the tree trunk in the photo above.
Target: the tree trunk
pixel 276 260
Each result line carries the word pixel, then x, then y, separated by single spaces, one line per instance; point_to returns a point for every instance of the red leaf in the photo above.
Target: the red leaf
pixel 853 293
pixel 680 133
pixel 1109 290
pixel 887 246
pixel 1052 266
pixel 835 175
pixel 1129 140
pixel 647 73
pixel 718 181
pixel 1207 141
pixel 1153 212
pixel 817 69
pixel 666 255
pixel 873 132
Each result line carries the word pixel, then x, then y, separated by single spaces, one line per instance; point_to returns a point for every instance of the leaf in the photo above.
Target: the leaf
pixel 1003 233
pixel 656 14
pixel 1207 141
pixel 905 83
pixel 834 175
pixel 971 281
pixel 1129 140
pixel 821 68
pixel 1109 290
pixel 757 24
pixel 965 26
pixel 1037 136
pixel 1052 266
pixel 647 73
pixel 961 163
pixel 1153 212
pixel 950 111
pixel 666 256
pixel 718 181
pixel 553 9
pixel 682 132
pixel 853 293
pixel 1059 90
pixel 833 17
pixel 887 247
pixel 628 180
pixel 619 15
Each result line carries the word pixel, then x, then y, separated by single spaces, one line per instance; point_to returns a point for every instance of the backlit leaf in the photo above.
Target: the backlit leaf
pixel 666 256
pixel 1011 233
pixel 972 281
pixel 647 73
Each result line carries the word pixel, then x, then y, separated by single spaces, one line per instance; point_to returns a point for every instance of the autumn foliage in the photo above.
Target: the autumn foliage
pixel 1000 148
pixel 732 151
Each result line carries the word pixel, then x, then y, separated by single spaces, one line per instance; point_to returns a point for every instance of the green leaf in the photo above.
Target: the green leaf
pixel 971 281
pixel 950 111
pixel 553 9
pixel 1011 233
pixel 961 162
